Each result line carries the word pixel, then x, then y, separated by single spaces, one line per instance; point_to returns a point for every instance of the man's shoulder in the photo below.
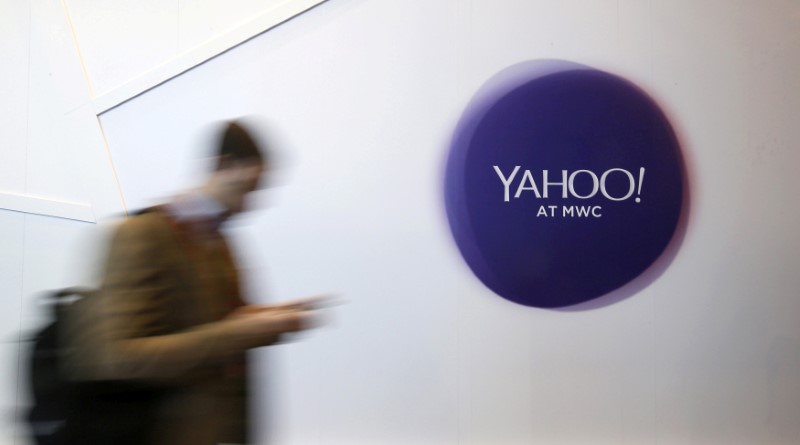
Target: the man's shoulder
pixel 143 223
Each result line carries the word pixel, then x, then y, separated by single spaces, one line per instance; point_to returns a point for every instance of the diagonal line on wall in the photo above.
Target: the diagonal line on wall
pixel 89 88
pixel 36 205
pixel 200 54
pixel 81 59
pixel 111 163
pixel 176 66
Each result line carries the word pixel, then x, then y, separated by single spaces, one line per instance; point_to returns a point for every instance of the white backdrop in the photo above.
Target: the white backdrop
pixel 362 97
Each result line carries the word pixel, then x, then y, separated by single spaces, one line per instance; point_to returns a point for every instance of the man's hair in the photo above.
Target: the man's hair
pixel 236 144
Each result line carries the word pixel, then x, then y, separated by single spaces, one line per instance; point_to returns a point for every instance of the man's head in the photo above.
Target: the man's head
pixel 239 165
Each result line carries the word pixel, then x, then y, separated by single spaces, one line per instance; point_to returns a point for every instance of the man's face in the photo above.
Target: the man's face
pixel 237 179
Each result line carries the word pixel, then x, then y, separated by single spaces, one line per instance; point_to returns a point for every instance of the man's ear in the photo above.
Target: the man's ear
pixel 224 162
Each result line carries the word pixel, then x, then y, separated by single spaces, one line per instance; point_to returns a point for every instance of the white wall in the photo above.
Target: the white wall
pixel 363 96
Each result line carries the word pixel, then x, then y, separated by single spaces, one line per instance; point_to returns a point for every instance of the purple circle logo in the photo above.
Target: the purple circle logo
pixel 563 183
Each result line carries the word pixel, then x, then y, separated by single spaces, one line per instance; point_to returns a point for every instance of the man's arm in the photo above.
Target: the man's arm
pixel 125 327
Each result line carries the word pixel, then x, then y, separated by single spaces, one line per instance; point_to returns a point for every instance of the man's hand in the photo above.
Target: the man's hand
pixel 314 302
pixel 260 327
pixel 264 324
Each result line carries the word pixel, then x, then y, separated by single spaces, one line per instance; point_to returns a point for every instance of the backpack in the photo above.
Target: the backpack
pixel 67 412
pixel 52 394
